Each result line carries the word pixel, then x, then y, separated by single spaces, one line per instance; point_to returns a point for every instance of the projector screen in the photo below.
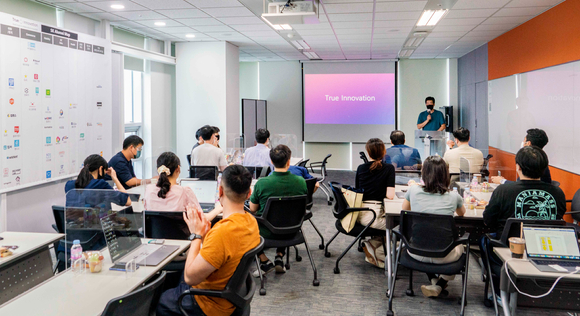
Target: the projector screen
pixel 349 102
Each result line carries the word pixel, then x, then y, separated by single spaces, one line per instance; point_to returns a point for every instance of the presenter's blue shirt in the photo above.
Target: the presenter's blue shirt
pixel 123 168
pixel 102 196
pixel 437 119
pixel 402 156
pixel 299 171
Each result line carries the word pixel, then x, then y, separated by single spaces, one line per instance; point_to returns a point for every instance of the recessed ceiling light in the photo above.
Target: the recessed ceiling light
pixel 431 17
pixel 159 23
pixel 117 6
pixel 190 35
pixel 286 26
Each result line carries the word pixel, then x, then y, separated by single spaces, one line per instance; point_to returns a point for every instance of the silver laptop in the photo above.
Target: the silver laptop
pixel 552 248
pixel 125 244
pixel 205 191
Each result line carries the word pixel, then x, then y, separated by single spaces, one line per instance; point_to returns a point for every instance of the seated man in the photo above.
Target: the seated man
pixel 473 155
pixel 528 198
pixel 208 154
pixel 198 137
pixel 259 155
pixel 280 183
pixel 401 156
pixel 121 162
pixel 534 137
pixel 224 245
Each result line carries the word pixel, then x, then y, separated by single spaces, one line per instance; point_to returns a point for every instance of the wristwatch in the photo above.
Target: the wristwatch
pixel 193 237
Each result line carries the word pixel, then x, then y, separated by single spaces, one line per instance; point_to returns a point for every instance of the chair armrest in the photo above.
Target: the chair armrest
pixel 568 201
pixel 192 291
pixel 494 242
pixel 354 209
pixel 573 212
pixel 54 227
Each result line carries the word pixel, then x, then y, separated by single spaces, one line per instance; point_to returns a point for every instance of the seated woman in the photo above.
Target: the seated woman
pixel 377 179
pixel 166 195
pixel 92 177
pixel 435 198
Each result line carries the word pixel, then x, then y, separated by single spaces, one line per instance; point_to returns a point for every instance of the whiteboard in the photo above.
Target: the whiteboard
pixel 549 99
pixel 55 101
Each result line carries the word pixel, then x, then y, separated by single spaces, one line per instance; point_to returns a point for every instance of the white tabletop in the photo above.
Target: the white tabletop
pixel 84 294
pixel 294 160
pixel 26 242
pixel 522 268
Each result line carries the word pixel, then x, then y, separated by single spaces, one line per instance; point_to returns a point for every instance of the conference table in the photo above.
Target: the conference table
pixel 86 294
pixel 28 266
pixel 472 219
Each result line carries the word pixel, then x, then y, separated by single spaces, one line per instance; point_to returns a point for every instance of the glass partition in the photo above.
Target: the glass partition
pixel 464 170
pixel 289 140
pixel 81 220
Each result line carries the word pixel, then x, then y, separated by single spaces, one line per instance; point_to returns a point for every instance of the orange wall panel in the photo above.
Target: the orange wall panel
pixel 506 162
pixel 547 40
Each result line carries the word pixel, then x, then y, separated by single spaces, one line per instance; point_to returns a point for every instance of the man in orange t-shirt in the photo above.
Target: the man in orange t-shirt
pixel 212 266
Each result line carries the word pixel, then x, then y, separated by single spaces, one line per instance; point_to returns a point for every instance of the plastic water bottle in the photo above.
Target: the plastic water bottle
pixel 76 252
pixel 474 184
pixel 466 195
pixel 217 190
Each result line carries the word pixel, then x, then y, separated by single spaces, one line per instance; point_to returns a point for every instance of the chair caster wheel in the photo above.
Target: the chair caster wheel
pixel 321 246
pixel 299 258
pixel 487 303
pixel 329 203
pixel 262 292
pixel 390 313
pixel 410 293
pixel 327 254
pixel 287 266
pixel 483 278
pixel 360 249
pixel 316 283
pixel 387 293
pixel 336 271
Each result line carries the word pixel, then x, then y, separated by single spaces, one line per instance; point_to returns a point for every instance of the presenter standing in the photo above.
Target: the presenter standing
pixel 431 120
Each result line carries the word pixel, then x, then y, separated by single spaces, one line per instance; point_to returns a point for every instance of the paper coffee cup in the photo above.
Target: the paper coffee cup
pixel 517 247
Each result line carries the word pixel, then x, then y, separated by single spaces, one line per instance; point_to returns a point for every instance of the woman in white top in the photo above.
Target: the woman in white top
pixel 166 195
pixel 435 198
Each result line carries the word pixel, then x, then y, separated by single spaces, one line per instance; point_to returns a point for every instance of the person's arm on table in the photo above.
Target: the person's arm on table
pixel 460 211
pixel 215 212
pixel 197 269
pixel 406 205
pixel 390 193
pixel 492 210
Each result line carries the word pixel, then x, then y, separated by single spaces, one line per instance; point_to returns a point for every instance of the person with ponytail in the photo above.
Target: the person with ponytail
pixel 166 195
pixel 91 177
pixel 377 180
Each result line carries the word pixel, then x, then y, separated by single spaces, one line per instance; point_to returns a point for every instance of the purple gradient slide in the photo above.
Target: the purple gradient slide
pixel 349 99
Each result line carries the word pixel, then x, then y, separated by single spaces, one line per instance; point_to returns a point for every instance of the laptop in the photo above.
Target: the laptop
pixel 552 249
pixel 122 236
pixel 205 191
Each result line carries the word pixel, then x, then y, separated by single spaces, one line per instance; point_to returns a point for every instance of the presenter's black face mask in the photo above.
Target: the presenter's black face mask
pixel 430 107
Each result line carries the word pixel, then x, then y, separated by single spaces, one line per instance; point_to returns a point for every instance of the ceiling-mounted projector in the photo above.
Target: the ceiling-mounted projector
pixel 291 12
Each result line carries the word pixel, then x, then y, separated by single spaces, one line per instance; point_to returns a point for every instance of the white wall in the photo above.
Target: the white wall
pixel 233 104
pixel 249 85
pixel 203 91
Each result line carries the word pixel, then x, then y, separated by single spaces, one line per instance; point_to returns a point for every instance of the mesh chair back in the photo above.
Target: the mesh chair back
pixel 58 213
pixel 310 185
pixel 576 206
pixel 303 163
pixel 259 171
pixel 240 288
pixel 512 227
pixel 323 167
pixel 341 205
pixel 203 172
pixel 284 215
pixel 165 225
pixel 363 156
pixel 137 303
pixel 431 233
pixel 188 160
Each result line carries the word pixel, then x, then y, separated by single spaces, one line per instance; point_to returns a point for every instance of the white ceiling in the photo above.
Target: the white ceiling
pixel 348 29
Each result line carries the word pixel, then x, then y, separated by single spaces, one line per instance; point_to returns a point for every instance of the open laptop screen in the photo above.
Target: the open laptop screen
pixel 122 234
pixel 551 242
pixel 204 190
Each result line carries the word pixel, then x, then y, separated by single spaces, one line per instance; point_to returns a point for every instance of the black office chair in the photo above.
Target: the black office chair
pixel 302 163
pixel 575 207
pixel 284 216
pixel 429 235
pixel 240 288
pixel 321 166
pixel 555 183
pixel 491 268
pixel 363 156
pixel 484 171
pixel 188 160
pixel 204 172
pixel 311 185
pixel 341 209
pixel 141 302
pixel 259 172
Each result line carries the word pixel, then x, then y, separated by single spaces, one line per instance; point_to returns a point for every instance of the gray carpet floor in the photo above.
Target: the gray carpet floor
pixel 360 287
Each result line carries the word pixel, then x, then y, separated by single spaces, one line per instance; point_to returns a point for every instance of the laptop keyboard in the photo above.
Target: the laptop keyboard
pixel 560 263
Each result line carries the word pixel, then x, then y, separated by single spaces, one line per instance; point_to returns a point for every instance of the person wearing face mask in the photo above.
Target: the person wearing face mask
pixel 431 120
pixel 121 162
pixel 209 154
pixel 92 177
pixel 166 195
pixel 534 137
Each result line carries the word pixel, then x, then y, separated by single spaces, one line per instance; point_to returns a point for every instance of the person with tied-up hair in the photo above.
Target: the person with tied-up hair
pixel 166 195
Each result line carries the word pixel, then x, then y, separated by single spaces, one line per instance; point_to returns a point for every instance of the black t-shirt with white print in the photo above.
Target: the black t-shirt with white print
pixel 526 199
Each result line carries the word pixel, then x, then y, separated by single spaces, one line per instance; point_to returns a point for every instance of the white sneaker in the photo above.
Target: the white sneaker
pixel 369 250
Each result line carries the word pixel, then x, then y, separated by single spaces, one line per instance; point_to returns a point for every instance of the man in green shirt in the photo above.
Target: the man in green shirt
pixel 280 183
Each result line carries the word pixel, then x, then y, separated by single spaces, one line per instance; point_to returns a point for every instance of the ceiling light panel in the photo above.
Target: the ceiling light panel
pixel 106 5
